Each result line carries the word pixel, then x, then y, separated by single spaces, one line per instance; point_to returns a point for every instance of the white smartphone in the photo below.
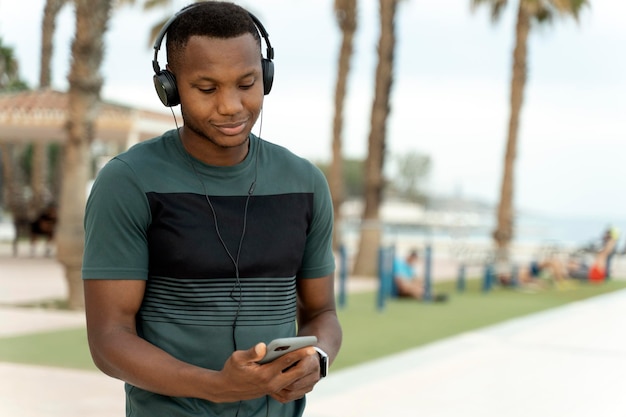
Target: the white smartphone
pixel 278 347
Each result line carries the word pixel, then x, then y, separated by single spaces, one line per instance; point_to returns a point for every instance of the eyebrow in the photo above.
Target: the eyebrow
pixel 250 73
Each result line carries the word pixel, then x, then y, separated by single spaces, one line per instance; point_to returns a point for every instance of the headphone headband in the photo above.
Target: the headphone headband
pixel 161 35
pixel 164 80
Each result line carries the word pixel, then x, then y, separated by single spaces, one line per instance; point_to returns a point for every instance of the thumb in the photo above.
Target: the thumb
pixel 256 352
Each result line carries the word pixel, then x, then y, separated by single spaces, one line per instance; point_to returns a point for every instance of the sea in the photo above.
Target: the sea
pixel 568 231
pixel 535 235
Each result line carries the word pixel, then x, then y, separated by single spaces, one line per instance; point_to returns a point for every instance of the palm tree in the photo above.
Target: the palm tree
pixel 151 5
pixel 9 69
pixel 528 12
pixel 154 4
pixel 22 209
pixel 48 28
pixel 346 13
pixel 367 256
pixel 13 175
pixel 13 198
pixel 85 82
pixel 9 73
pixel 39 167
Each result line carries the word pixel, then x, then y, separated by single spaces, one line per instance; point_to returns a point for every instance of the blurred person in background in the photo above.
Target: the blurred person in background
pixel 407 281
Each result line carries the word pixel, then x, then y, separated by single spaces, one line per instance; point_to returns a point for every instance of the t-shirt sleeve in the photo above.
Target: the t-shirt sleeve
pixel 319 259
pixel 117 217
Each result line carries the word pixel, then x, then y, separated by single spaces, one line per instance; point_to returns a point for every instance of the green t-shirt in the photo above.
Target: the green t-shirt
pixel 221 249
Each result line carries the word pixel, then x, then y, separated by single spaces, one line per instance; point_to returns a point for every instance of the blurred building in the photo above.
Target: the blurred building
pixel 40 116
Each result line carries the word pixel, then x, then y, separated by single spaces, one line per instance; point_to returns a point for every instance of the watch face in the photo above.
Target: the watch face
pixel 323 362
pixel 324 366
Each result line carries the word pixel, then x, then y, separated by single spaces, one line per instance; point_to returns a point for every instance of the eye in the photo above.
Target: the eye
pixel 207 90
pixel 246 86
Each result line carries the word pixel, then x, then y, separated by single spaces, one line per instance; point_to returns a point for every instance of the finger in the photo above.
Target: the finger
pixel 286 395
pixel 288 361
pixel 278 397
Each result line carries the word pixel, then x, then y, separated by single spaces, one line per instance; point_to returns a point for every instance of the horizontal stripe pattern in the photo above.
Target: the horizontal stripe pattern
pixel 215 302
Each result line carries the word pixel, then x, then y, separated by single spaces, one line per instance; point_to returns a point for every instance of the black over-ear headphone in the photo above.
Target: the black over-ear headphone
pixel 165 81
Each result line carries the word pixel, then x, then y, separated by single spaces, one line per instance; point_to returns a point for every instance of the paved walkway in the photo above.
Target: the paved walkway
pixel 569 361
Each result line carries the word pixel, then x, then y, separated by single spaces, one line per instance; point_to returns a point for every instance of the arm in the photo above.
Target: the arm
pixel 317 315
pixel 603 255
pixel 111 308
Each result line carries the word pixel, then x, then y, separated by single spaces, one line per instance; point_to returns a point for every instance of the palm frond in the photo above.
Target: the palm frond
pixel 544 11
pixel 120 3
pixel 154 31
pixel 154 4
pixel 570 7
pixel 496 6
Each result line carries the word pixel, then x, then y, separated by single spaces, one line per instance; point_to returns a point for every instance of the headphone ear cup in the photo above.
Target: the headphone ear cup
pixel 268 75
pixel 165 85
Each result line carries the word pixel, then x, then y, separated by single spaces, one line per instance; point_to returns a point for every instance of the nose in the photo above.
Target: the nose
pixel 230 101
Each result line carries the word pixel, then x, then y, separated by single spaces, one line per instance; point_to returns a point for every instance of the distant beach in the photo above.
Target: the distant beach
pixel 535 236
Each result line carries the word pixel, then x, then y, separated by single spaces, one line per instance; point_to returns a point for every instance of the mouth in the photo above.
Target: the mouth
pixel 231 129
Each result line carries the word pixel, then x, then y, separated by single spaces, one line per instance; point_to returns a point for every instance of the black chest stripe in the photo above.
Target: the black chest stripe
pixel 183 240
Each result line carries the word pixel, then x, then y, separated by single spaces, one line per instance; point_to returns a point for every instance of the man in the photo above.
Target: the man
pixel 406 281
pixel 206 243
pixel 610 237
pixel 598 270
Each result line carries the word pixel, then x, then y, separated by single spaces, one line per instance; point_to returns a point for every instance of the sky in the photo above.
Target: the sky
pixel 449 98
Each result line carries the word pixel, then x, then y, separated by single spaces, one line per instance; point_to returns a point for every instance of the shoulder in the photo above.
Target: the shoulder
pixel 281 160
pixel 159 147
pixel 147 159
pixel 283 156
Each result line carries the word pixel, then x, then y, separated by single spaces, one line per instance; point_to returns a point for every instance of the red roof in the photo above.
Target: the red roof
pixel 41 115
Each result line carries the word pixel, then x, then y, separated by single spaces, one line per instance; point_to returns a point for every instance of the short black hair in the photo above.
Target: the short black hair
pixel 215 19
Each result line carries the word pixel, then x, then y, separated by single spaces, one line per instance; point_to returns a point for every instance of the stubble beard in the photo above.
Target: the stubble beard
pixel 200 133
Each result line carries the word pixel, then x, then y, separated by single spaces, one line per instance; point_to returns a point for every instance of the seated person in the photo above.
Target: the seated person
pixel 597 270
pixel 44 226
pixel 551 266
pixel 406 281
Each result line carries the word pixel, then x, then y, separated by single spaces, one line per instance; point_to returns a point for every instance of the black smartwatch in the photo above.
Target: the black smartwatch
pixel 323 362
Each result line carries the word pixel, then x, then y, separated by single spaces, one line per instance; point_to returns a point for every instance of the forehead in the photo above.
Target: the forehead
pixel 214 49
pixel 210 55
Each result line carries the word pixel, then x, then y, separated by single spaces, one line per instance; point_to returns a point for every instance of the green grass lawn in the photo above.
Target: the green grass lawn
pixel 62 348
pixel 369 333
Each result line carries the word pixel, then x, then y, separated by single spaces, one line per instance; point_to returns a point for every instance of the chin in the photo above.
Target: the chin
pixel 229 141
pixel 238 140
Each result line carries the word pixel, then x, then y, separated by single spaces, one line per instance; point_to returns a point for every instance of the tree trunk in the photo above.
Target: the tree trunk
pixel 14 191
pixel 39 177
pixel 85 82
pixel 48 28
pixel 39 166
pixel 366 263
pixel 503 235
pixel 345 11
pixel 12 183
